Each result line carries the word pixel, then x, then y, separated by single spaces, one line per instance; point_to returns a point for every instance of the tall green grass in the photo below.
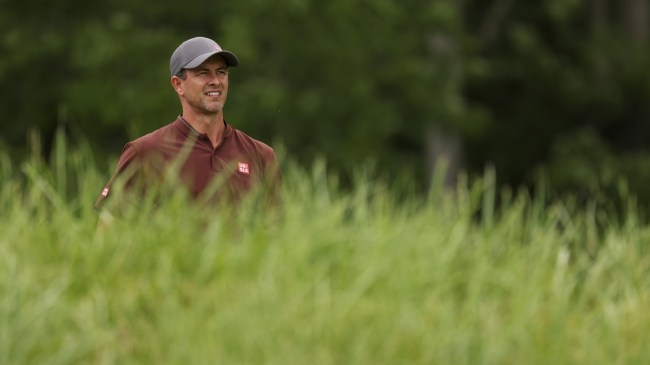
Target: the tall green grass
pixel 332 276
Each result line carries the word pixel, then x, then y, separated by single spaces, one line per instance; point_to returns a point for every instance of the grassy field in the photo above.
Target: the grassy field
pixel 355 276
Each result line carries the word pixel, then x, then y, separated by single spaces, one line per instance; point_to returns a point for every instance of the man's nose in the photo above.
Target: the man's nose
pixel 215 79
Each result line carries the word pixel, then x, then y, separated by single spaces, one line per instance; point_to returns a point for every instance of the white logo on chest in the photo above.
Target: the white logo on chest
pixel 243 168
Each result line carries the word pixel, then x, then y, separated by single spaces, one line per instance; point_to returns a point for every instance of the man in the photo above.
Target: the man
pixel 199 145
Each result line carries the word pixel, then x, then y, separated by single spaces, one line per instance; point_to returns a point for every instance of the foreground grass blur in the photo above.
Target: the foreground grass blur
pixel 331 277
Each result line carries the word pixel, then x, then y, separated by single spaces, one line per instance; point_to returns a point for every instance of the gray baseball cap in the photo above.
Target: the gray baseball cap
pixel 195 51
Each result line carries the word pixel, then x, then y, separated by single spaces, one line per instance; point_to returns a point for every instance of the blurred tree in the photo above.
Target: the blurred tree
pixel 544 70
pixel 349 80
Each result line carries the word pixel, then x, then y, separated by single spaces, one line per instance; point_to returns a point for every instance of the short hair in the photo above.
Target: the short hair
pixel 182 74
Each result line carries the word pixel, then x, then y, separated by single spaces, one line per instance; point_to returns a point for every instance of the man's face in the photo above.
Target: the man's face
pixel 205 88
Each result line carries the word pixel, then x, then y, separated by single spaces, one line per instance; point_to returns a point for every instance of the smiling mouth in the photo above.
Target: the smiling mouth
pixel 213 93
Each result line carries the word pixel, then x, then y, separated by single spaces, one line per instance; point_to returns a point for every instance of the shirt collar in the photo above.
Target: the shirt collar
pixel 187 130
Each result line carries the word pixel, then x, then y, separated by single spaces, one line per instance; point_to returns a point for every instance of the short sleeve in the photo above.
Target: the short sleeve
pixel 124 167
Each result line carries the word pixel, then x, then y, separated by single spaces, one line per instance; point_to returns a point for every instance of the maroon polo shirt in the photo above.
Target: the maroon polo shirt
pixel 239 163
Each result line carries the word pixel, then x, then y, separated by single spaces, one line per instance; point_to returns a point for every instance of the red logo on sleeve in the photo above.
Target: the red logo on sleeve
pixel 243 168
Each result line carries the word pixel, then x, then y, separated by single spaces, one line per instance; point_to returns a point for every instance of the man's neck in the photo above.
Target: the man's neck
pixel 211 125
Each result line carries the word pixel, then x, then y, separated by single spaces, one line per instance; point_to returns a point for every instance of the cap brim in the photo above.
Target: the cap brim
pixel 231 59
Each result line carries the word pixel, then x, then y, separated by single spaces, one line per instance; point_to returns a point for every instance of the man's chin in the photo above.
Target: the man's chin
pixel 215 109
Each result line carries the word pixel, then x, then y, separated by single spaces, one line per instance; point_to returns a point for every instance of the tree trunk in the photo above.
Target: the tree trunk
pixel 635 18
pixel 444 151
pixel 443 147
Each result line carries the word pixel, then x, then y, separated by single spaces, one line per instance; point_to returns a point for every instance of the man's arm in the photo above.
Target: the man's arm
pixel 272 176
pixel 126 169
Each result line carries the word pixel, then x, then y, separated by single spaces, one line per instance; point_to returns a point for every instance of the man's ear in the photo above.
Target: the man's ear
pixel 177 84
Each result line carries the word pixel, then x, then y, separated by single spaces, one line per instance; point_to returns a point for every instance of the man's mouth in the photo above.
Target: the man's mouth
pixel 213 93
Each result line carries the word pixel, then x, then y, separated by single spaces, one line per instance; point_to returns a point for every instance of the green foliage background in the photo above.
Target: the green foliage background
pixel 557 85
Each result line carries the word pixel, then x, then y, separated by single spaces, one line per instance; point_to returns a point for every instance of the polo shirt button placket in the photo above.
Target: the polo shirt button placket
pixel 214 160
